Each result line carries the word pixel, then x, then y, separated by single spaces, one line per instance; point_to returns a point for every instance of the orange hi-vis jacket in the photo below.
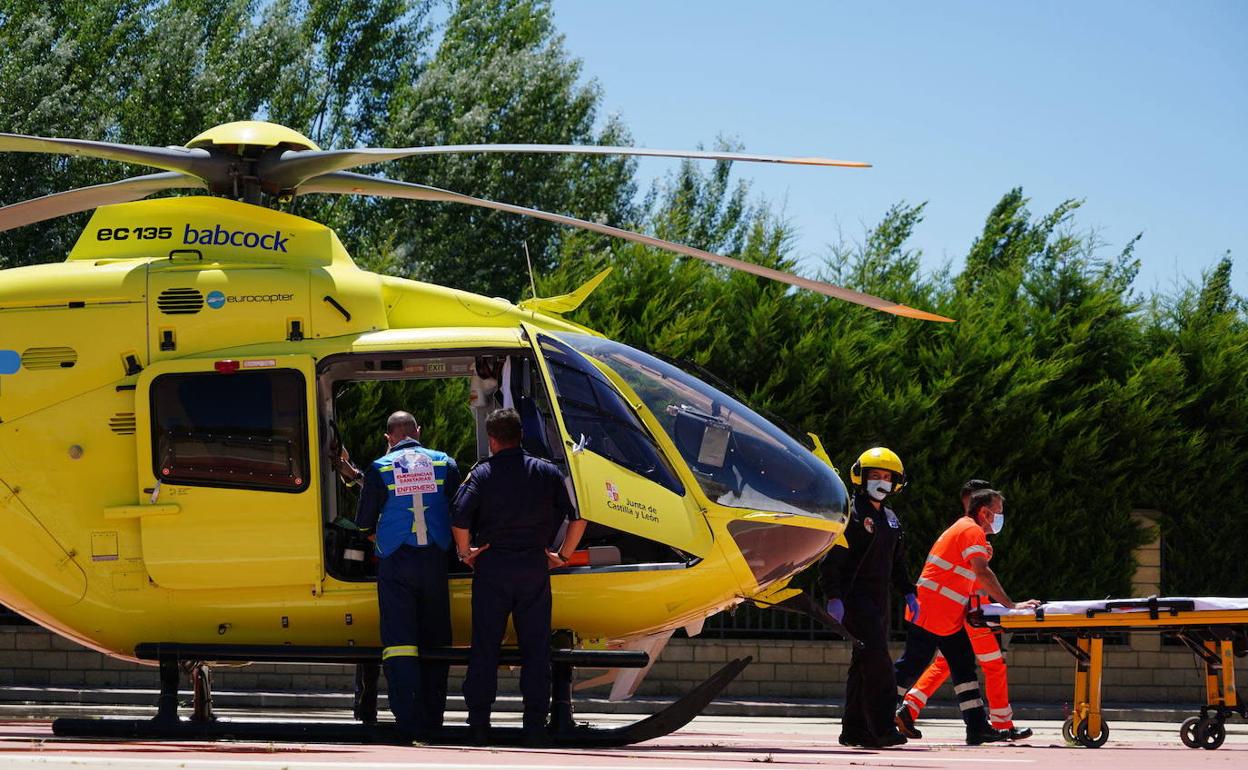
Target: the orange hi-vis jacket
pixel 947 583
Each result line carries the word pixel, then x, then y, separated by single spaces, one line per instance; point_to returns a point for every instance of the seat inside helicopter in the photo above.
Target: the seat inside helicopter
pixel 450 393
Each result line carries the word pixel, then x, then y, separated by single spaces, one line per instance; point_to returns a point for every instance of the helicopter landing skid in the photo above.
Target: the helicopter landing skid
pixel 565 732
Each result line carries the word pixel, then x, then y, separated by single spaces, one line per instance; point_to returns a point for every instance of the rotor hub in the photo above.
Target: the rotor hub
pixel 252 133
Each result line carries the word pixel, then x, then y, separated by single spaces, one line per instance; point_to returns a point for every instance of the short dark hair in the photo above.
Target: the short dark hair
pixel 974 485
pixel 980 499
pixel 503 425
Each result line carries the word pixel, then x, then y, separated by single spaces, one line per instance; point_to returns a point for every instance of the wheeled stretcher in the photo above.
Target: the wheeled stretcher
pixel 1215 629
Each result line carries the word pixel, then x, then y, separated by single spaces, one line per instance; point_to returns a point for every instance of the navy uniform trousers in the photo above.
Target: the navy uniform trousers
pixel 415 605
pixel 921 646
pixel 870 698
pixel 515 583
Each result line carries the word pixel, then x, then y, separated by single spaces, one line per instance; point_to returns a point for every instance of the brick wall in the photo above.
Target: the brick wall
pixel 1039 673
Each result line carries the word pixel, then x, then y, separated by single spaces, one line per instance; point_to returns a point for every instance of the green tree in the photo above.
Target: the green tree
pixel 500 74
pixel 1046 385
pixel 161 71
pixel 1201 483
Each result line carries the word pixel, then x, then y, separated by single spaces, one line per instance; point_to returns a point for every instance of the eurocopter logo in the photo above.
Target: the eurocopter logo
pixel 217 300
pixel 219 236
pixel 10 361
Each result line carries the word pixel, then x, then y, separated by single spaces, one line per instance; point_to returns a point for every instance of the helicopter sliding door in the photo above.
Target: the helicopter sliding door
pixel 224 453
pixel 621 477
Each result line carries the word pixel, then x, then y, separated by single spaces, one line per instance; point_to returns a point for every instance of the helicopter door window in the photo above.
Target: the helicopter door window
pixel 247 429
pixel 599 419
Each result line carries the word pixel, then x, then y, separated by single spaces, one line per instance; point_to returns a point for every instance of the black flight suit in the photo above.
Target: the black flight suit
pixel 860 576
pixel 515 503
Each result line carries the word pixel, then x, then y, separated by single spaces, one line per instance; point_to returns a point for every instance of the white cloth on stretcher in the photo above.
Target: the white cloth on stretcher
pixel 1081 607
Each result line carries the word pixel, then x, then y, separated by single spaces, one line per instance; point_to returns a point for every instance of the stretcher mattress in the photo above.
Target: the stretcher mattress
pixel 1081 607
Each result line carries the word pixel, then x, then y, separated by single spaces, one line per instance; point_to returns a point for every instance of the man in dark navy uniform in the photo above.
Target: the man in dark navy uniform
pixel 858 580
pixel 506 517
pixel 406 497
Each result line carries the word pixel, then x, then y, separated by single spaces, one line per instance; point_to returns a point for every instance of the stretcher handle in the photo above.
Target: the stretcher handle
pixel 1152 603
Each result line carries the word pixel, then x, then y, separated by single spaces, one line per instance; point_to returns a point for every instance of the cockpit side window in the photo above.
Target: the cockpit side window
pixel 739 459
pixel 600 420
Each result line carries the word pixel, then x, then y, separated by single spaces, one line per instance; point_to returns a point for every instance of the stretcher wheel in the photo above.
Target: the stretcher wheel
pixel 1099 740
pixel 1068 731
pixel 1187 732
pixel 1210 733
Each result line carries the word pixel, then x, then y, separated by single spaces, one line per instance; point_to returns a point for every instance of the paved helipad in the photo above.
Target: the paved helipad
pixel 709 742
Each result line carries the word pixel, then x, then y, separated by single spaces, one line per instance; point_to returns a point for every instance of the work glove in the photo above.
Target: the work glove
pixel 912 603
pixel 836 608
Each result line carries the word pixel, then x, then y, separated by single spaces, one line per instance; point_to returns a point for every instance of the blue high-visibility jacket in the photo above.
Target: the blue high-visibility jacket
pixel 406 496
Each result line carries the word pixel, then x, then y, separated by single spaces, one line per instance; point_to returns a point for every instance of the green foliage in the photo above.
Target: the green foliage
pixel 500 75
pixel 344 73
pixel 161 71
pixel 1202 486
pixel 1054 382
pixel 439 406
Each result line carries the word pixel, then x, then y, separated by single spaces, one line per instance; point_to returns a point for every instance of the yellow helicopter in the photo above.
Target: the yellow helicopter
pixel 168 401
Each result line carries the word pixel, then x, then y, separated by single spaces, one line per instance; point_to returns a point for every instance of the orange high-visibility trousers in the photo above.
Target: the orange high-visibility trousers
pixel 991 660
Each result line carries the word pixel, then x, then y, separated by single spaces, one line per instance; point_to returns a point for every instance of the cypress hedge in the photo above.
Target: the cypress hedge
pixel 1079 399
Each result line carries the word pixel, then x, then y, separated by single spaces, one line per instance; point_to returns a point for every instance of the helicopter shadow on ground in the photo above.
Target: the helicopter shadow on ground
pixel 32 740
pixel 694 749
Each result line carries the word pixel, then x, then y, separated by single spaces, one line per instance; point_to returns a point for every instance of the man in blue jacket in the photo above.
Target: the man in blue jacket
pixel 406 499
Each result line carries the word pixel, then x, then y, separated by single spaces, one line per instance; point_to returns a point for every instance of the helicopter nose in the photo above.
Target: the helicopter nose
pixel 774 551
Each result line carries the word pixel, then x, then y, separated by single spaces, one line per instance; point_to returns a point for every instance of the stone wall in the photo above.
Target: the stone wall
pixel 1039 673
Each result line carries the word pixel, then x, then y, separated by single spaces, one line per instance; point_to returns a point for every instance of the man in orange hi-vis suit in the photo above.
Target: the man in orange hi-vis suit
pixel 990 656
pixel 956 562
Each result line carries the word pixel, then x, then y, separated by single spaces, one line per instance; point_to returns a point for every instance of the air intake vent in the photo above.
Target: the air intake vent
pixel 122 423
pixel 180 301
pixel 49 358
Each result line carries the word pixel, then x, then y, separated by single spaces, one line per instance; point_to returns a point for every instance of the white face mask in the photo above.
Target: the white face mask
pixel 998 522
pixel 878 489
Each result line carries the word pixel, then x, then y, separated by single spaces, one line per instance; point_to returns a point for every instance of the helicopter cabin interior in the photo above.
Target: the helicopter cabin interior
pixel 450 392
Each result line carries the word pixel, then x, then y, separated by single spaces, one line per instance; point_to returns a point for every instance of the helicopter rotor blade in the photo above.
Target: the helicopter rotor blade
pixel 196 162
pixel 348 183
pixel 295 166
pixel 84 198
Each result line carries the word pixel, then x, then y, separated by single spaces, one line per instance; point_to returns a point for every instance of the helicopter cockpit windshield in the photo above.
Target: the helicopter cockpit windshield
pixel 739 459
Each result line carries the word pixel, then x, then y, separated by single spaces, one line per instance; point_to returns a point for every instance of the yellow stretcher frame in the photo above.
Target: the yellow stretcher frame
pixel 1086 726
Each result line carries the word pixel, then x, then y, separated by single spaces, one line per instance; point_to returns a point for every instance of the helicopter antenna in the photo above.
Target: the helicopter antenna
pixel 527 258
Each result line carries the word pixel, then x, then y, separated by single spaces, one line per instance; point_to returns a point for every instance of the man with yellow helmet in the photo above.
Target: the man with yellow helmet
pixel 857 579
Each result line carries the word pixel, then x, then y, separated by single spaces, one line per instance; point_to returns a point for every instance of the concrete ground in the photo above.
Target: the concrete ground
pixel 26 741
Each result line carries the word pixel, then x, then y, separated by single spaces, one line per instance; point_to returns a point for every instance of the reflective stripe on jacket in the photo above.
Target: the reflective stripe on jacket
pixel 947 582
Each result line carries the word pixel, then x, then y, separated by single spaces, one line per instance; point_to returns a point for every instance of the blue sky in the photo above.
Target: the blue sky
pixel 1141 108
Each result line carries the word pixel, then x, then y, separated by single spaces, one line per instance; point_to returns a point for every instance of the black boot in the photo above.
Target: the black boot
pixel 905 723
pixel 1018 733
pixel 480 734
pixel 984 733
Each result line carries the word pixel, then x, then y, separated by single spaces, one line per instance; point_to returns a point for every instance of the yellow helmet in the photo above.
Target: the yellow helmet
pixel 879 457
